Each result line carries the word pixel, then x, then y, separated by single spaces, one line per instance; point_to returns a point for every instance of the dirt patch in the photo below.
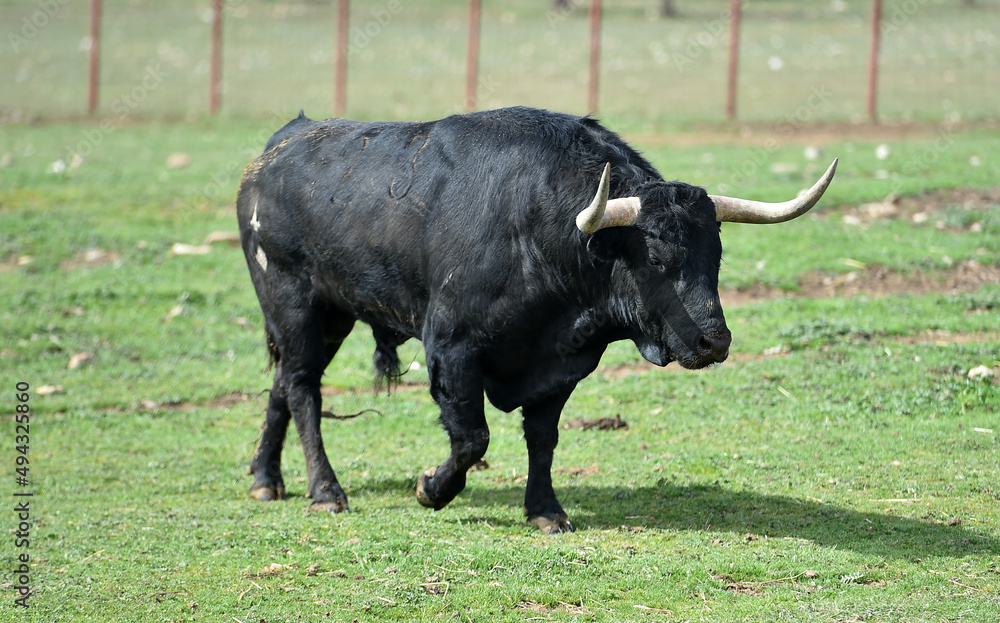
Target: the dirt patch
pixel 945 338
pixel 533 606
pixel 604 423
pixel 330 391
pixel 873 281
pixel 578 471
pixel 923 208
pixel 741 588
pixel 527 605
pixel 221 402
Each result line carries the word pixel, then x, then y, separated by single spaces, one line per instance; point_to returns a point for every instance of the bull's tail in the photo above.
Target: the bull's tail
pixel 273 355
pixel 387 367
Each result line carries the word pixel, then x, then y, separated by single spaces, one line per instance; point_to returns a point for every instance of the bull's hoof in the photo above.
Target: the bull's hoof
pixel 551 525
pixel 422 496
pixel 330 506
pixel 267 493
pixel 328 497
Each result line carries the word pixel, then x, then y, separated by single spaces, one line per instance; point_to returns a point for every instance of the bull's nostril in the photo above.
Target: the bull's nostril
pixel 714 345
pixel 704 345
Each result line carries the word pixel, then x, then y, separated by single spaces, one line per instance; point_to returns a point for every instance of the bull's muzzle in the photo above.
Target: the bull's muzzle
pixel 714 347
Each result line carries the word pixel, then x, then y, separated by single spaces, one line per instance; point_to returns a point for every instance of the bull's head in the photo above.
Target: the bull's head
pixel 670 286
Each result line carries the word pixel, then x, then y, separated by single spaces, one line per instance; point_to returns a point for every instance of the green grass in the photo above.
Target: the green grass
pixel 851 477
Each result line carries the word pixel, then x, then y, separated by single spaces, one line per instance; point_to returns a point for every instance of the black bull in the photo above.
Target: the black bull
pixel 480 235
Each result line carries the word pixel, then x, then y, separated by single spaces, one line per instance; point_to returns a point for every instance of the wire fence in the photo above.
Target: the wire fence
pixel 798 61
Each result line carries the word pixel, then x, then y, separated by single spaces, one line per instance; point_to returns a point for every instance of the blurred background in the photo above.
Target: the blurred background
pixel 801 60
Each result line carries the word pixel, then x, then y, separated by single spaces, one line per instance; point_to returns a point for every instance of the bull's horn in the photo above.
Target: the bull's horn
pixel 603 213
pixel 736 210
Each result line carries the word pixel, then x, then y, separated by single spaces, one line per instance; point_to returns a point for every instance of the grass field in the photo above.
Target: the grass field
pixel 841 466
pixel 848 474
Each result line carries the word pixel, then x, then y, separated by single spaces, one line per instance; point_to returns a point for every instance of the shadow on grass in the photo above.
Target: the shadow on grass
pixel 712 507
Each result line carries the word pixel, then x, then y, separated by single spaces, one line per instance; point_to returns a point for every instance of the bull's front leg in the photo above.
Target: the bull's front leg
pixel 457 387
pixel 541 434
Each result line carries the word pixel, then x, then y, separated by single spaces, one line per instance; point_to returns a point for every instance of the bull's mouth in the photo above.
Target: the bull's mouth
pixel 661 355
pixel 705 356
pixel 698 363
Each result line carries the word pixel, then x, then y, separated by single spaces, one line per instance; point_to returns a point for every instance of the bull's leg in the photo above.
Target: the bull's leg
pixel 304 336
pixel 305 402
pixel 266 464
pixel 541 433
pixel 457 387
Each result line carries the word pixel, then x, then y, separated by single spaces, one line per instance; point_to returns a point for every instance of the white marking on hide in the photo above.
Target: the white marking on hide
pixel 261 258
pixel 253 220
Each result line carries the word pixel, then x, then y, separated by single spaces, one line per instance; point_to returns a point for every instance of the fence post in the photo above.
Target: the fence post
pixel 873 61
pixel 215 79
pixel 94 67
pixel 472 56
pixel 734 58
pixel 595 55
pixel 340 71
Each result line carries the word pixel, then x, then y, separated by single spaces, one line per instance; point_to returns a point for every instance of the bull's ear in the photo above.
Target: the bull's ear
pixel 608 245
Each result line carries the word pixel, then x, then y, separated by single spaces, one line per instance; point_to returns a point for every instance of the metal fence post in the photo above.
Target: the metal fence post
pixel 595 55
pixel 340 72
pixel 94 66
pixel 472 56
pixel 873 61
pixel 215 79
pixel 734 58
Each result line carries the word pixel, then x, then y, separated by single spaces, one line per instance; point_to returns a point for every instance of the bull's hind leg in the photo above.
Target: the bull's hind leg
pixel 266 464
pixel 305 402
pixel 541 433
pixel 304 335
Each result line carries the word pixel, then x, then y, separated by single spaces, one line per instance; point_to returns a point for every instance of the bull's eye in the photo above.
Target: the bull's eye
pixel 654 259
